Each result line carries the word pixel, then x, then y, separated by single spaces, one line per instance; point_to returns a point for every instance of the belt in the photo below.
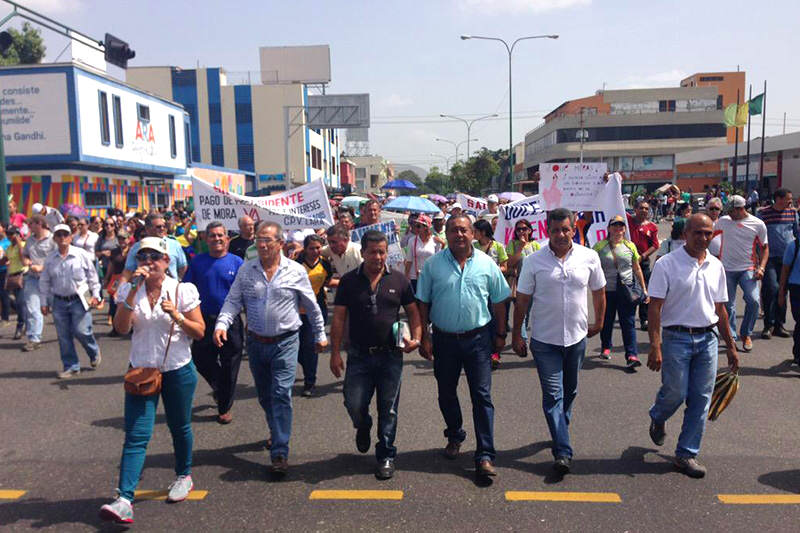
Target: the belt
pixel 461 335
pixel 692 331
pixel 67 298
pixel 270 340
pixel 373 350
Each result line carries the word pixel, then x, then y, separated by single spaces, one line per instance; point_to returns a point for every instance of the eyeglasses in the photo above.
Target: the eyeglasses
pixel 715 209
pixel 265 240
pixel 160 227
pixel 149 255
pixel 523 228
pixel 61 234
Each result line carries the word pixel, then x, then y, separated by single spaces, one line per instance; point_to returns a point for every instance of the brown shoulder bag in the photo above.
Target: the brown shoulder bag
pixel 147 381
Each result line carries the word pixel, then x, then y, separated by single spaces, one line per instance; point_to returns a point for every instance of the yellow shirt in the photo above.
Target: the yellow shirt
pixel 14 255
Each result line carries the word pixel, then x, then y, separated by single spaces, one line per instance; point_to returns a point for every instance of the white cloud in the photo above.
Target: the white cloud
pixel 493 7
pixel 667 78
pixel 50 7
pixel 396 100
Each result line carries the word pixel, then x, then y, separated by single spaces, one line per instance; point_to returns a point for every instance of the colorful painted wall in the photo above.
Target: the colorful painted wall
pixel 59 187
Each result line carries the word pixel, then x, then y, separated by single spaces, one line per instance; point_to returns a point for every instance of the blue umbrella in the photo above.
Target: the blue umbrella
pixel 412 203
pixel 398 184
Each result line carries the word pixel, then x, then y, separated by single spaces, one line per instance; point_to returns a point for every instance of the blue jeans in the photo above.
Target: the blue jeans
pixel 749 285
pixel 616 303
pixel 558 368
pixel 34 321
pixel 73 321
pixel 688 370
pixel 472 353
pixel 177 390
pixel 307 355
pixel 381 373
pixel 774 315
pixel 273 367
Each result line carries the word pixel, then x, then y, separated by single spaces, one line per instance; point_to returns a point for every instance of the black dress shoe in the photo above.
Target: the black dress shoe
pixel 562 465
pixel 280 467
pixel 766 334
pixel 644 325
pixel 385 469
pixel 363 439
pixel 778 331
pixel 485 468
pixel 657 432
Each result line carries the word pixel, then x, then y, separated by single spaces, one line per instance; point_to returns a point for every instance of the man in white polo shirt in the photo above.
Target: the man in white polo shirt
pixel 556 279
pixel 687 299
pixel 744 253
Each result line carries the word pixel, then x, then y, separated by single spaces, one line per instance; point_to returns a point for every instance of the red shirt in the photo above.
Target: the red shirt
pixel 644 236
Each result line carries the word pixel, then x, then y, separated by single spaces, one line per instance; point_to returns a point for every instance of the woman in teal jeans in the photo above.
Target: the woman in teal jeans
pixel 165 316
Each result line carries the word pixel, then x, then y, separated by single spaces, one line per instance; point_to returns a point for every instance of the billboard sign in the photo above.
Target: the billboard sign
pixel 35 114
pixel 338 111
pixel 295 64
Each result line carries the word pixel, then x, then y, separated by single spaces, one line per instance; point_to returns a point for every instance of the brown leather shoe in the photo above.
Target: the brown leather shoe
pixel 225 418
pixel 280 467
pixel 452 449
pixel 485 468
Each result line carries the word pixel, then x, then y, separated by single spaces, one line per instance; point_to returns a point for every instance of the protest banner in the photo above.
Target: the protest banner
pixel 574 186
pixel 608 203
pixel 304 207
pixel 471 205
pixel 396 256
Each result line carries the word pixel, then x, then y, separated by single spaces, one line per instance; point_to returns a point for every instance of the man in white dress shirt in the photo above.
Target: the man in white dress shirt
pixel 688 296
pixel 556 279
pixel 67 275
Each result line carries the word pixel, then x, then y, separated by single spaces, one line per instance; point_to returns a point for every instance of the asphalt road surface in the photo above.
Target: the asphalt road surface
pixel 60 443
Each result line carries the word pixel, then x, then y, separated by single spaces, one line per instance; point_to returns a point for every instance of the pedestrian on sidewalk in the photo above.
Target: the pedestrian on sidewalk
pixel 556 279
pixel 782 229
pixel 688 293
pixel 620 261
pixel 213 274
pixel 455 289
pixel 644 234
pixel 744 252
pixel 165 316
pixel 370 297
pixel 15 275
pixel 271 289
pixel 67 276
pixel 38 246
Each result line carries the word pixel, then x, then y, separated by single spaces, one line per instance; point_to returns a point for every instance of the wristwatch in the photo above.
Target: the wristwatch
pixel 180 320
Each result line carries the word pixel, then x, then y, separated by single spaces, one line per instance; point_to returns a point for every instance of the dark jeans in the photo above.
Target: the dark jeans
pixel 643 307
pixel 473 354
pixel 220 366
pixel 307 355
pixel 617 303
pixel 558 368
pixel 794 299
pixel 774 315
pixel 5 299
pixel 381 373
pixel 19 305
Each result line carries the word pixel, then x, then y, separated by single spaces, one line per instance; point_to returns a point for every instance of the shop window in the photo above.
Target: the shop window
pixel 96 199
pixel 173 146
pixel 105 136
pixel 132 199
pixel 162 200
pixel 119 140
pixel 143 112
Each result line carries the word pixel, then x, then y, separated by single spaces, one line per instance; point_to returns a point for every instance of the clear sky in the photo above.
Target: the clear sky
pixel 408 55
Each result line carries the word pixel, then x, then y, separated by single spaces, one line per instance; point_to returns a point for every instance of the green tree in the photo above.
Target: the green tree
pixel 476 174
pixel 27 47
pixel 438 182
pixel 410 175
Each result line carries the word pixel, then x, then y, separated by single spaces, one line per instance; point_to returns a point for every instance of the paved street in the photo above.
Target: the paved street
pixel 62 441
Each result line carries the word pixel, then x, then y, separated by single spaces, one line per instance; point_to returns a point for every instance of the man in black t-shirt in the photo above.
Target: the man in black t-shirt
pixel 371 297
pixel 239 245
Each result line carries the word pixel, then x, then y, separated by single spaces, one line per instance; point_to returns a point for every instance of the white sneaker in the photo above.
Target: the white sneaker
pixel 120 511
pixel 180 489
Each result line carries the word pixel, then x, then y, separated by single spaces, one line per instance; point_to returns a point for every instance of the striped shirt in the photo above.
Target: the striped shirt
pixel 781 229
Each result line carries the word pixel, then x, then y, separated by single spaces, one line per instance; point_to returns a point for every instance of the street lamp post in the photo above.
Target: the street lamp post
pixel 446 160
pixel 455 144
pixel 469 124
pixel 510 50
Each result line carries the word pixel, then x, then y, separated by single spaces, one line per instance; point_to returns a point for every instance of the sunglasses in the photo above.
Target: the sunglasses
pixel 523 228
pixel 149 255
pixel 714 209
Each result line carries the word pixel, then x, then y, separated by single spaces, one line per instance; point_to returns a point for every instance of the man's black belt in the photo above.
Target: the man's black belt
pixel 374 350
pixel 270 340
pixel 67 298
pixel 461 335
pixel 692 331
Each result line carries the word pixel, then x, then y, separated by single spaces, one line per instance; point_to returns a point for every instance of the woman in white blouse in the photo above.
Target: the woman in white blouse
pixel 165 316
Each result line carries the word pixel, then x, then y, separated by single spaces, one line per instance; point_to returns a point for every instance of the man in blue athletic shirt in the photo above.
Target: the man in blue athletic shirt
pixel 213 274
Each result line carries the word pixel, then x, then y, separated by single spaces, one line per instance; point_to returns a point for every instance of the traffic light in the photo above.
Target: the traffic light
pixel 5 41
pixel 117 51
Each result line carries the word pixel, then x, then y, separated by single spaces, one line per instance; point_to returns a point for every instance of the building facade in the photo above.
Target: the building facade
pixel 371 172
pixel 244 126
pixel 636 131
pixel 75 135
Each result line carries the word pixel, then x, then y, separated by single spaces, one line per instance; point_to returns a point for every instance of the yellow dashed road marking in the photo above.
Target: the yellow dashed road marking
pixel 162 495
pixel 590 497
pixel 759 499
pixel 11 494
pixel 356 495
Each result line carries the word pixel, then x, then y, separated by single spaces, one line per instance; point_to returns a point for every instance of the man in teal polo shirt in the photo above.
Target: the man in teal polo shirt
pixel 454 290
pixel 156 226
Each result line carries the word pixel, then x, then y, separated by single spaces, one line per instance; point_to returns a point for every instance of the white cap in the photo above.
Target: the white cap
pixel 456 205
pixel 738 201
pixel 493 198
pixel 61 227
pixel 37 208
pixel 153 243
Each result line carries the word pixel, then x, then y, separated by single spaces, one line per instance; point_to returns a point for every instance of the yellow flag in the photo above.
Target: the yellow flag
pixel 741 114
